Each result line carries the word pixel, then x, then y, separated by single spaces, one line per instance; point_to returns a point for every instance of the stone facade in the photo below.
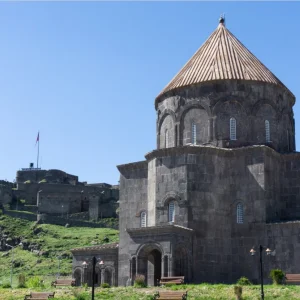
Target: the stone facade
pixel 224 178
pixel 207 184
pixel 106 270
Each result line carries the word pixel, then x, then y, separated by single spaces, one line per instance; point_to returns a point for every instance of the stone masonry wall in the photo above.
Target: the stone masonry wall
pixel 133 200
pixel 212 104
pixel 207 183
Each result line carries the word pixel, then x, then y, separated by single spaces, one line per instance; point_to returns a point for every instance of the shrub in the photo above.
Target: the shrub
pixel 105 285
pixel 6 285
pixel 22 281
pixel 244 281
pixel 35 282
pixel 140 281
pixel 79 296
pixel 27 181
pixel 277 276
pixel 238 290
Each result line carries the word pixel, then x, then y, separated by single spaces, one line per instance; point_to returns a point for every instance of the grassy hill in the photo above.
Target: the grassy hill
pixel 43 244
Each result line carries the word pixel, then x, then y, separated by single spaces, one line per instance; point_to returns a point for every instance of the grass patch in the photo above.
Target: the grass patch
pixel 195 292
pixel 48 242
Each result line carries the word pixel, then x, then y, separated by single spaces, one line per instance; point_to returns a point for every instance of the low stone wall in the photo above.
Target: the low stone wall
pixel 20 215
pixel 56 220
pixel 47 219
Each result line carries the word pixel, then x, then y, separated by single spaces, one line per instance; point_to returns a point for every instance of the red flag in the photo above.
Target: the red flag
pixel 38 138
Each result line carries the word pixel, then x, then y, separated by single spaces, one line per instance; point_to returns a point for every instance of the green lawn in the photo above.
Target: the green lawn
pixel 195 292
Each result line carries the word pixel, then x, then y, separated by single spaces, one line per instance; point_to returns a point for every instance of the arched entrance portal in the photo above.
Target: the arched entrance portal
pixel 149 264
pixel 77 275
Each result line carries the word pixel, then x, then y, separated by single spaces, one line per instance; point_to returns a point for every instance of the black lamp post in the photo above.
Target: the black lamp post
pixel 253 252
pixel 94 262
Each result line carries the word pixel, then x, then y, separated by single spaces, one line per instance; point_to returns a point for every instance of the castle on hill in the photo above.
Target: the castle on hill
pixel 51 193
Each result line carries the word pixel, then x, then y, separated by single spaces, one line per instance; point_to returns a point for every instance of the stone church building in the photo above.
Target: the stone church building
pixel 224 178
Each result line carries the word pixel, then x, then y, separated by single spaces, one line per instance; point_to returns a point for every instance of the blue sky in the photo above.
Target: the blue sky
pixel 86 74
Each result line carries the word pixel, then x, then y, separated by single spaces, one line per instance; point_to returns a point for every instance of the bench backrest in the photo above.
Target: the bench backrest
pixel 41 295
pixel 292 276
pixel 172 295
pixel 172 277
pixel 64 281
pixel 172 280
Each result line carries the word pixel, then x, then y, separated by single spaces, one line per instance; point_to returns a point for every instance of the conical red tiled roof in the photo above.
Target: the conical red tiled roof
pixel 221 57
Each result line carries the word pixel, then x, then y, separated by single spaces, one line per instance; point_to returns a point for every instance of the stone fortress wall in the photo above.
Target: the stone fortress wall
pixel 5 192
pixel 57 193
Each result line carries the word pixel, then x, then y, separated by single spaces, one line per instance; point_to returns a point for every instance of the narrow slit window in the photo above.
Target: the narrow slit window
pixel 171 211
pixel 194 134
pixel 240 213
pixel 143 219
pixel 233 129
pixel 267 128
pixel 167 138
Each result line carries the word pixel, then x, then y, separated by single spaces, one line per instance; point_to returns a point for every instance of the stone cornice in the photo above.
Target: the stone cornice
pixel 200 149
pixel 97 248
pixel 161 229
pixel 133 166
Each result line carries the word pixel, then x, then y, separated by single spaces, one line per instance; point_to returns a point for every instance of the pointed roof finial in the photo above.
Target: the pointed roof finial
pixel 222 19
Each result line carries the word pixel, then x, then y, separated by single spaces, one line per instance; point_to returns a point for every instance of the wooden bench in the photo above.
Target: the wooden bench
pixel 63 282
pixel 39 295
pixel 172 280
pixel 171 295
pixel 292 278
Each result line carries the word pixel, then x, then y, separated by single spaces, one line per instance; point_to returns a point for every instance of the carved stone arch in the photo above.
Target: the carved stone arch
pixel 225 109
pixel 263 111
pixel 286 131
pixel 160 136
pixel 233 207
pixel 78 275
pixel 188 250
pixel 235 202
pixel 200 113
pixel 138 214
pixel 182 261
pixel 163 115
pixel 149 261
pixel 108 273
pixel 223 100
pixel 98 275
pixel 260 103
pixel 195 104
pixel 172 196
pixel 149 244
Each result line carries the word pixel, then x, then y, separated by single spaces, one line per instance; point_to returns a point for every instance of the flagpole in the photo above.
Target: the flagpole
pixel 38 153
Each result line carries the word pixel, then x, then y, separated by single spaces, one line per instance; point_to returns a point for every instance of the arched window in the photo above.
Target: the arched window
pixel 233 129
pixel 240 213
pixel 143 219
pixel 267 128
pixel 172 211
pixel 194 133
pixel 167 139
